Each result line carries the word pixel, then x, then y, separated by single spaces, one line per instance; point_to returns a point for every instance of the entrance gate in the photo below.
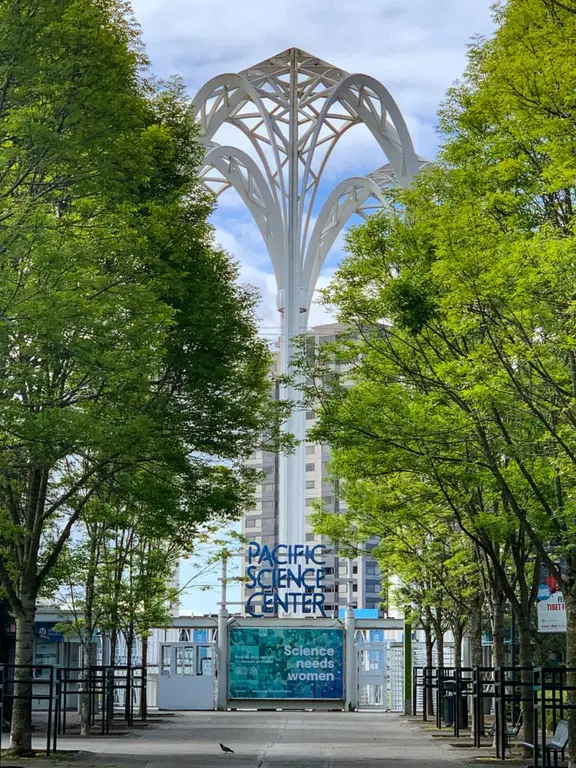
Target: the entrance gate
pixel 187 676
pixel 380 676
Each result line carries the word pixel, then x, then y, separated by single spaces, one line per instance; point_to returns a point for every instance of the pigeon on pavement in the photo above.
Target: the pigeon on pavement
pixel 224 748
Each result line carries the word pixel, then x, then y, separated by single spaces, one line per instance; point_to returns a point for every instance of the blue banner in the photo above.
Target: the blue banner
pixel 45 632
pixel 284 663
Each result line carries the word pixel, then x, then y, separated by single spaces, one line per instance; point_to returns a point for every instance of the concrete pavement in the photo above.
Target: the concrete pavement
pixel 269 740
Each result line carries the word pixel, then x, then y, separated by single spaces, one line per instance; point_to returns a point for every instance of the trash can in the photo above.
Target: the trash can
pixel 449 700
pixel 450 705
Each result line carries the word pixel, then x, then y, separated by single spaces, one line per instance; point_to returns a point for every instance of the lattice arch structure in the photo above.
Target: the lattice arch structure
pixel 291 111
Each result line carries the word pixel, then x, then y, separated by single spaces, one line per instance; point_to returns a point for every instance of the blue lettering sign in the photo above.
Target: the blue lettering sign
pixel 285 567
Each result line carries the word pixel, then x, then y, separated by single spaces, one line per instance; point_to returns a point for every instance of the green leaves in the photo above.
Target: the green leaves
pixel 131 366
pixel 456 407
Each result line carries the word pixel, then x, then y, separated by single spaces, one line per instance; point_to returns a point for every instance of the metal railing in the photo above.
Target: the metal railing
pixel 113 693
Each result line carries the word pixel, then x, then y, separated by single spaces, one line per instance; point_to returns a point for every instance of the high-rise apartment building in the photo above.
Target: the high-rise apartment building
pixel 261 524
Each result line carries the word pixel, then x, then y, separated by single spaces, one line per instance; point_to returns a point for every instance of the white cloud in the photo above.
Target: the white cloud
pixel 416 47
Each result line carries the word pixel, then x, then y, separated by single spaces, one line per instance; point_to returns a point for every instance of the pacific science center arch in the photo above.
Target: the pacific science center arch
pixel 292 110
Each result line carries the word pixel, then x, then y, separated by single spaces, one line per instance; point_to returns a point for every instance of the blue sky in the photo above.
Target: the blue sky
pixel 417 48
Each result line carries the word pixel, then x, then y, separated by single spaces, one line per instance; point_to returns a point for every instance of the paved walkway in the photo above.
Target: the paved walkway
pixel 270 740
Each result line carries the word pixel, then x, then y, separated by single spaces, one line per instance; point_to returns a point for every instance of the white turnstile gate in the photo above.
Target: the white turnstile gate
pixel 380 676
pixel 187 676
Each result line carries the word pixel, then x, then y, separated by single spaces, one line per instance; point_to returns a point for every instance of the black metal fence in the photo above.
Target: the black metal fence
pixel 447 689
pixel 62 688
pixel 550 694
pixel 545 691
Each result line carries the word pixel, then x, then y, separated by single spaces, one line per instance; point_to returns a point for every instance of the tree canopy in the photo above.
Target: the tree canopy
pixel 455 399
pixel 131 363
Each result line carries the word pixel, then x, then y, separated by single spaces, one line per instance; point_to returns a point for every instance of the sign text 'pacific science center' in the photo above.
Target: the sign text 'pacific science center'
pixel 287 577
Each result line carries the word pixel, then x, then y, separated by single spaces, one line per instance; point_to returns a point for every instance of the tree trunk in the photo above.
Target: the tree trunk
pixel 21 728
pixel 88 648
pixel 439 635
pixel 527 676
pixel 458 637
pixel 497 620
pixel 113 646
pixel 143 679
pixel 476 654
pixel 570 598
pixel 128 695
pixel 88 662
pixel 429 663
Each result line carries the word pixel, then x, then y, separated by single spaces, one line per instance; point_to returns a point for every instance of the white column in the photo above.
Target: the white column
pixel 222 649
pixel 350 703
pixel 290 300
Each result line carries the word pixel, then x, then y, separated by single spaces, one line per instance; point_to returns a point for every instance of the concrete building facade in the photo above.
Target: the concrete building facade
pixel 262 523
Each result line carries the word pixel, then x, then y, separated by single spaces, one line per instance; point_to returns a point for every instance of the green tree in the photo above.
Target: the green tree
pixel 475 373
pixel 125 341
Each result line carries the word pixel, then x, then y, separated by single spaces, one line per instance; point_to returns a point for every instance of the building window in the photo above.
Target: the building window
pixel 310 450
pixel 250 523
pixel 372 586
pixel 343 569
pixel 310 414
pixel 310 467
pixel 268 505
pixel 310 484
pixel 371 569
pixel 354 569
pixel 310 536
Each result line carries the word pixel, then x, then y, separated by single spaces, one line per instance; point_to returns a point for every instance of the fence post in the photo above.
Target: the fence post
pixel 57 711
pixel 414 691
pixel 407 668
pixel 144 693
pixel 425 695
pixel 457 691
pixel 438 698
pixel 535 739
pixel 502 708
pixel 50 701
pixel 476 683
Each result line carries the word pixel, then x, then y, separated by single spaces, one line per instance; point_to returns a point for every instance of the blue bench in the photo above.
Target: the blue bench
pixel 556 746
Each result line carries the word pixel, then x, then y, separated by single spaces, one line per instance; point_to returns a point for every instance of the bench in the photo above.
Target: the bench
pixel 509 733
pixel 556 745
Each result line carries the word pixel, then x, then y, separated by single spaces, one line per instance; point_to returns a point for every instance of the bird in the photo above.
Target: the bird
pixel 224 748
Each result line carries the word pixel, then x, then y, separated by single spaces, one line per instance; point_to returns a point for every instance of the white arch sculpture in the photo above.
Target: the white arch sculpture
pixel 292 110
